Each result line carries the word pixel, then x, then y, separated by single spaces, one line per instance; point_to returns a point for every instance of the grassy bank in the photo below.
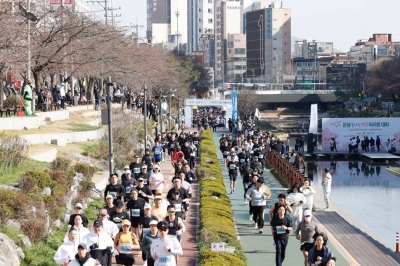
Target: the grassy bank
pixel 11 177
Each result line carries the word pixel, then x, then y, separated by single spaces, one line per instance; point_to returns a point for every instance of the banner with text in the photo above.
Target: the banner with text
pixel 313 119
pixel 234 98
pixel 344 129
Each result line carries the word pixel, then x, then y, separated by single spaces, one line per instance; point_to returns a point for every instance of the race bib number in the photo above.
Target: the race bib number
pixel 146 231
pixel 258 198
pixel 226 152
pixel 232 167
pixel 145 181
pixel 156 151
pixel 178 207
pixel 113 194
pixel 135 212
pixel 195 142
pixel 128 190
pixel 242 160
pixel 125 248
pixel 260 156
pixel 136 170
pixel 280 231
pixel 164 260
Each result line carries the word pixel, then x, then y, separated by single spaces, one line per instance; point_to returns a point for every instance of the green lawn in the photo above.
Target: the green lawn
pixel 82 127
pixel 10 177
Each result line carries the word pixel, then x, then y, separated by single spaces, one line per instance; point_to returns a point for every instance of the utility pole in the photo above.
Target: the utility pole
pixel 110 135
pixel 160 111
pixel 177 13
pixel 179 111
pixel 169 111
pixel 105 7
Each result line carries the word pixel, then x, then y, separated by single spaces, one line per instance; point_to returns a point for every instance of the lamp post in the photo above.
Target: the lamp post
pixel 110 135
pixel 145 116
pixel 169 111
pixel 161 126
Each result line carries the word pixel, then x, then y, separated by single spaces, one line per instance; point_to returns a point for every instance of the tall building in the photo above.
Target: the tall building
pixel 268 37
pixel 167 22
pixel 200 21
pixel 373 49
pixel 228 19
pixel 207 45
pixel 236 58
pixel 313 49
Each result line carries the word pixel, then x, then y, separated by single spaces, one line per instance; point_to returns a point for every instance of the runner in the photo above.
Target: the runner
pixel 305 232
pixel 233 166
pixel 258 195
pixel 164 249
pixel 281 225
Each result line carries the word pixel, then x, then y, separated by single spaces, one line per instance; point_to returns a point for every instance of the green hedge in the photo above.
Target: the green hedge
pixel 216 216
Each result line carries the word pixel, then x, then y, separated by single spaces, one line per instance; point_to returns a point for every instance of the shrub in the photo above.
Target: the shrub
pixel 215 210
pixel 35 181
pixel 86 170
pixel 13 151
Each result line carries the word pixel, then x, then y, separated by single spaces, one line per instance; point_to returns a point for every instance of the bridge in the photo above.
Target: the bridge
pixel 295 98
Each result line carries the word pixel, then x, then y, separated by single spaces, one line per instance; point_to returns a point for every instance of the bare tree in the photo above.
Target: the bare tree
pixel 248 101
pixel 384 77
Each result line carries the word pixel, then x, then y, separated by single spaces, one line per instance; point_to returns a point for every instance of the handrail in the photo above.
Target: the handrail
pixel 289 172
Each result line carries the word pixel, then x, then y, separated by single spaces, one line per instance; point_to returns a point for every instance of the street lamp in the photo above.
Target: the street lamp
pixel 26 13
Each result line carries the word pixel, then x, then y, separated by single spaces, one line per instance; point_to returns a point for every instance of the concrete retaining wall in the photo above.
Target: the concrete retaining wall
pixel 47 156
pixel 68 137
pixel 21 122
pixel 54 115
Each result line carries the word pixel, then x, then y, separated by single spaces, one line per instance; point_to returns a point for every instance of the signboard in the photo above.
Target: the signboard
pixel 225 104
pixel 158 9
pixel 344 129
pixel 313 119
pixel 234 107
pixel 207 102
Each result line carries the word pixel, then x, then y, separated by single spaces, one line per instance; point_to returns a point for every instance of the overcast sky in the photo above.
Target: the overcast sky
pixel 342 22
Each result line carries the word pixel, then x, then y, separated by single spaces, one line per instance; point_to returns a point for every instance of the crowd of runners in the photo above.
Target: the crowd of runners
pixel 138 217
pixel 244 155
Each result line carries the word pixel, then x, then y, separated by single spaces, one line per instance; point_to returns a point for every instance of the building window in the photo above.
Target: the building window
pixel 199 10
pixel 199 30
pixel 240 50
pixel 210 21
pixel 200 20
pixel 209 11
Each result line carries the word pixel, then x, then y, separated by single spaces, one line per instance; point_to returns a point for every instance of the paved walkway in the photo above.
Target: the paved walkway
pixel 259 247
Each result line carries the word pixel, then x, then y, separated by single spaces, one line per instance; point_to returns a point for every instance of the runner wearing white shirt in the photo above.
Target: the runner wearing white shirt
pixel 81 231
pixel 67 250
pixel 164 249
pixel 258 195
pixel 108 226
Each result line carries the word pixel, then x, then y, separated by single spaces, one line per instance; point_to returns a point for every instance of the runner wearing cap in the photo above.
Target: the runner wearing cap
pixel 83 258
pixel 118 215
pixel 159 209
pixel 326 184
pixel 305 232
pixel 178 203
pixel 67 250
pixel 135 206
pixel 81 231
pixel 164 249
pixel 78 210
pixel 156 180
pixel 145 174
pixel 99 243
pixel 144 221
pixel 144 192
pixel 108 226
pixel 183 193
pixel 114 189
pixel 147 240
pixel 129 183
pixel 125 242
pixel 257 196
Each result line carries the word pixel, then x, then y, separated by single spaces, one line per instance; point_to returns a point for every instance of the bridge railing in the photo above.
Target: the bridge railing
pixel 289 172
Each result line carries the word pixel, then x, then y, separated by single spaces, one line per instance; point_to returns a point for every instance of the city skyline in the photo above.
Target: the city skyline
pixel 365 19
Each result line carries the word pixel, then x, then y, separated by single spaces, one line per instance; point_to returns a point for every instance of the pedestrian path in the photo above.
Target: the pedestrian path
pixel 259 248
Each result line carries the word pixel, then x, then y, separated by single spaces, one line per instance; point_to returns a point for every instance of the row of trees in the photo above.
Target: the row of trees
pixel 65 42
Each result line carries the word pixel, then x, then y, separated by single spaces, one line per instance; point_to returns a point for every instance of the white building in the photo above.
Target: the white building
pixel 200 21
pixel 167 22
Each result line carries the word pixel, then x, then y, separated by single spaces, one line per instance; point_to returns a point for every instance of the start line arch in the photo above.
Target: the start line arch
pixel 189 103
